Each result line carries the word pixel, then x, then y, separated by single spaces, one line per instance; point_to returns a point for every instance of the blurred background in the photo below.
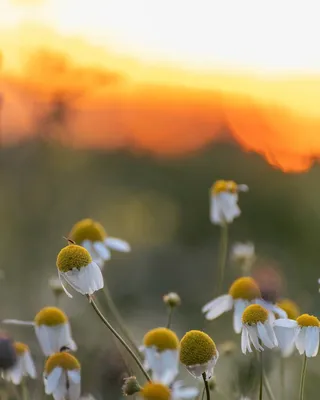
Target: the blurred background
pixel 89 129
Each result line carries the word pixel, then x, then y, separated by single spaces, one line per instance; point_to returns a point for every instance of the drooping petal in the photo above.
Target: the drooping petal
pixel 218 306
pixel 164 364
pixel 253 335
pixel 301 340
pixel 74 376
pixel 266 335
pixel 245 341
pixel 285 323
pixel 16 373
pixel 17 322
pixel 285 336
pixel 52 380
pixel 180 392
pixel 312 341
pixel 117 244
pixel 215 211
pixel 229 207
pixel 102 250
pixel 87 280
pixel 239 306
pixel 29 366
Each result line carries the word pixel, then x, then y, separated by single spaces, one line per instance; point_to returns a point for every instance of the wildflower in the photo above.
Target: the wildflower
pixel 8 356
pixel 198 353
pixel 256 326
pixel 224 201
pixel 243 254
pixel 303 332
pixel 172 299
pixel 52 330
pixel 161 350
pixel 91 235
pixel 290 307
pixel 62 376
pixel 75 265
pixel 131 386
pixel 23 367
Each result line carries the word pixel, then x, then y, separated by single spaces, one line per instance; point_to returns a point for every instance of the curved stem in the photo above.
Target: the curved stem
pixel 267 387
pixel 116 334
pixel 223 250
pixel 282 377
pixel 303 377
pixel 114 310
pixel 170 313
pixel 206 385
pixel 261 377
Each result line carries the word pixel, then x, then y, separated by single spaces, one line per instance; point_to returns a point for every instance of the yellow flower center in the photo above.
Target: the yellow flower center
pixel 245 288
pixel 73 256
pixel 224 186
pixel 290 307
pixel 64 360
pixel 308 320
pixel 162 339
pixel 87 229
pixel 254 314
pixel 20 348
pixel 197 348
pixel 50 316
pixel 155 391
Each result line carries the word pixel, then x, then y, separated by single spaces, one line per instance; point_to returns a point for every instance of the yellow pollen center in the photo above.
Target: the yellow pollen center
pixel 73 256
pixel 290 308
pixel 64 360
pixel 245 288
pixel 308 320
pixel 254 314
pixel 20 348
pixel 50 316
pixel 162 339
pixel 155 391
pixel 87 229
pixel 197 348
pixel 224 186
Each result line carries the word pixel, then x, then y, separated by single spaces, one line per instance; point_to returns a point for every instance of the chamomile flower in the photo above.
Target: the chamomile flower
pixel 24 365
pixel 62 378
pixel 304 332
pixel 75 265
pixel 256 326
pixel 91 235
pixel 224 201
pixel 161 350
pixel 52 330
pixel 198 353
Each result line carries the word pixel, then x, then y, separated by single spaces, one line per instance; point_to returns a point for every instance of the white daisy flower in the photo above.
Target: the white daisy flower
pixel 303 332
pixel 160 391
pixel 198 353
pixel 243 254
pixel 91 235
pixel 257 329
pixel 62 378
pixel 23 367
pixel 75 265
pixel 161 351
pixel 52 329
pixel 242 293
pixel 293 312
pixel 224 201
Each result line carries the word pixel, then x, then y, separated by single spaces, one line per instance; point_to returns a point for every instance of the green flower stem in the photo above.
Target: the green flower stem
pixel 206 385
pixel 24 390
pixel 282 378
pixel 267 387
pixel 170 313
pixel 223 250
pixel 261 377
pixel 116 334
pixel 303 377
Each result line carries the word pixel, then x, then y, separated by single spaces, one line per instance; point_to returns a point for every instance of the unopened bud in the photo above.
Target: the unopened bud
pixel 131 386
pixel 8 355
pixel 172 299
pixel 55 286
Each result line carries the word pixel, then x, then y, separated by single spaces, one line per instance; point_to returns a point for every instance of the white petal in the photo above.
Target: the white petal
pixel 17 322
pixel 74 391
pixel 117 244
pixel 29 366
pixel 253 335
pixel 60 392
pixel 16 373
pixel 312 341
pixel 61 275
pixel 87 280
pixel 180 392
pixel 264 336
pixel 74 376
pixel 218 306
pixel 242 187
pixel 215 211
pixel 52 380
pixel 285 323
pixel 229 207
pixel 286 337
pixel 239 306
pixel 301 340
pixel 102 250
pixel 164 365
pixel 245 341
pixel 88 245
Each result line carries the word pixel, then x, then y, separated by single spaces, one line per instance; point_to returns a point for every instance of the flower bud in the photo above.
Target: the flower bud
pixel 131 386
pixel 172 299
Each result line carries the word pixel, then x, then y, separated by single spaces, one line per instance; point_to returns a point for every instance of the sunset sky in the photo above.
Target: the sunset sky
pixel 169 74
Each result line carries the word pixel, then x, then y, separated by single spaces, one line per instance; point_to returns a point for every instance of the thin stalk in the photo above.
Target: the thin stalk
pixel 267 387
pixel 203 392
pixel 114 310
pixel 223 250
pixel 282 378
pixel 303 377
pixel 170 313
pixel 24 390
pixel 261 377
pixel 119 337
pixel 206 385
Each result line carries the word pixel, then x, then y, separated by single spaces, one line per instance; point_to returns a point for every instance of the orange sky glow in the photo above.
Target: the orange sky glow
pixel 164 79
